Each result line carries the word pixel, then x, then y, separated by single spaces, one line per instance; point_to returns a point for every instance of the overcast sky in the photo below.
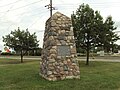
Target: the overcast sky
pixel 32 14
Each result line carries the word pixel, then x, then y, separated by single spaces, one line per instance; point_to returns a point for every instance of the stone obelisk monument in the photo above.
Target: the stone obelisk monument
pixel 59 50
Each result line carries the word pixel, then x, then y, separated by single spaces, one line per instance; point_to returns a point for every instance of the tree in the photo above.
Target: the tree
pixel 85 23
pixel 21 41
pixel 111 37
pixel 89 29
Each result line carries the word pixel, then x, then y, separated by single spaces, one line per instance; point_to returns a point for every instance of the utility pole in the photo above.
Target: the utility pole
pixel 50 7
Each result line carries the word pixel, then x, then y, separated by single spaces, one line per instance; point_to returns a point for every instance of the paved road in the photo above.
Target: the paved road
pixel 25 57
pixel 106 58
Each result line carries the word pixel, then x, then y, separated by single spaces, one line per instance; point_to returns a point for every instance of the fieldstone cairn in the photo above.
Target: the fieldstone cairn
pixel 59 50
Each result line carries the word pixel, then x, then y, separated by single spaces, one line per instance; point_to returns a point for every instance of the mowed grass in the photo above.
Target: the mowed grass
pixel 25 76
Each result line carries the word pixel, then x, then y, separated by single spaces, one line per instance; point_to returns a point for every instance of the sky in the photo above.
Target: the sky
pixel 32 14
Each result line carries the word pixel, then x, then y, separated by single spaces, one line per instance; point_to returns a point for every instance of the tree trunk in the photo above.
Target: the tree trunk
pixel 87 61
pixel 28 52
pixel 88 49
pixel 21 56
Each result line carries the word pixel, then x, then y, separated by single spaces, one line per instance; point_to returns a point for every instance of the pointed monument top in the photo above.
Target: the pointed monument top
pixel 58 15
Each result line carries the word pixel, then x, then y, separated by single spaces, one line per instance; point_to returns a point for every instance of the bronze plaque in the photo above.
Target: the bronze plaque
pixel 64 50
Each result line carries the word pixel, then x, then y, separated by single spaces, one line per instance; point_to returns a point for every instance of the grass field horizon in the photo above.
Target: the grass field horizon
pixel 25 76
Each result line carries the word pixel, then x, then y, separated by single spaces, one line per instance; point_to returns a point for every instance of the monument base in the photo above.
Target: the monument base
pixel 59 78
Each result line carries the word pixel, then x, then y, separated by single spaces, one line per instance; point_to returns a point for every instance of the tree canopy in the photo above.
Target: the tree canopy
pixel 90 30
pixel 21 40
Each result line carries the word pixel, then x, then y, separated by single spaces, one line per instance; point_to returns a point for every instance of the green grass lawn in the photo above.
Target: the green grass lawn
pixel 25 76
